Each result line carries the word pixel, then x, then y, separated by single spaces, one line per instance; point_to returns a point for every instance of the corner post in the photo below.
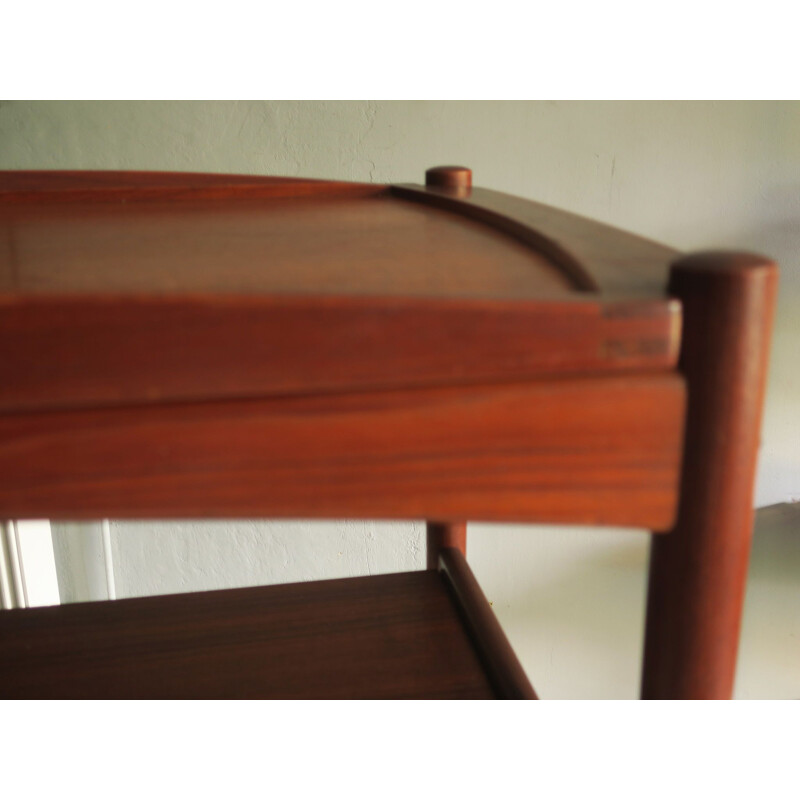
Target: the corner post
pixel 442 535
pixel 699 569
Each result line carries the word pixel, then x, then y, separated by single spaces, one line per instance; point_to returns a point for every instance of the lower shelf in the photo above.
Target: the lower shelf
pixel 386 636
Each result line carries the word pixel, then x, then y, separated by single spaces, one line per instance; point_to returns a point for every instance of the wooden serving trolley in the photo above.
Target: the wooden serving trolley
pixel 180 345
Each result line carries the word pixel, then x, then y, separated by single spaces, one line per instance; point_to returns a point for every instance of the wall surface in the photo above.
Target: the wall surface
pixel 693 175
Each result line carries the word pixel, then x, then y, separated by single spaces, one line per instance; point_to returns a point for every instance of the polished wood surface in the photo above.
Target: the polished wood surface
pixel 388 636
pixel 449 177
pixel 602 451
pixel 157 350
pixel 699 570
pixel 598 258
pixel 441 535
pixel 501 664
pixel 189 346
pixel 228 288
pixel 373 246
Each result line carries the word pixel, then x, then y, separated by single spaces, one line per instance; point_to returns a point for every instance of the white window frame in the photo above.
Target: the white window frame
pixel 27 564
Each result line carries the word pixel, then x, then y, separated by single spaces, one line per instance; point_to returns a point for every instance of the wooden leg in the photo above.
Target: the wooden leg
pixel 698 570
pixel 445 534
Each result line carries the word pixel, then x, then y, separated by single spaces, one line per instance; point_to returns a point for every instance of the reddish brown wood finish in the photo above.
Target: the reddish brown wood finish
pixel 42 186
pixel 442 535
pixel 161 349
pixel 555 451
pixel 373 246
pixel 225 346
pixel 210 287
pixel 453 178
pixel 597 257
pixel 387 636
pixel 698 571
pixel 502 665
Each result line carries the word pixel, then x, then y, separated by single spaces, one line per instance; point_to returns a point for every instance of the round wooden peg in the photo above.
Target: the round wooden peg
pixel 449 177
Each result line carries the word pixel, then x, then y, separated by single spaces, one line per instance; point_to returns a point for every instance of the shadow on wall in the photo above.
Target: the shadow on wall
pixel 578 629
pixel 776 546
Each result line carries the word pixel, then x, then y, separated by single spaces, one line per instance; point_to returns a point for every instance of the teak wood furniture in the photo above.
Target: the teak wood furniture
pixel 178 345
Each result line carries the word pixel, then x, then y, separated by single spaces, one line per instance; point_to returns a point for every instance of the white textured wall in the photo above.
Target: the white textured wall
pixel 692 175
pixel 197 555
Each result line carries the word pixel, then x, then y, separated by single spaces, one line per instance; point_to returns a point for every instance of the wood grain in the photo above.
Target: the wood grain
pixel 155 350
pixel 388 636
pixel 228 288
pixel 501 664
pixel 365 246
pixel 699 570
pixel 602 451
pixel 188 345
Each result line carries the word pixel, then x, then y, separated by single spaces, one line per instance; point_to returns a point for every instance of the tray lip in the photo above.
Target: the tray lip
pixel 460 333
pixel 147 182
pixel 559 237
pixel 581 247
pixel 94 351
